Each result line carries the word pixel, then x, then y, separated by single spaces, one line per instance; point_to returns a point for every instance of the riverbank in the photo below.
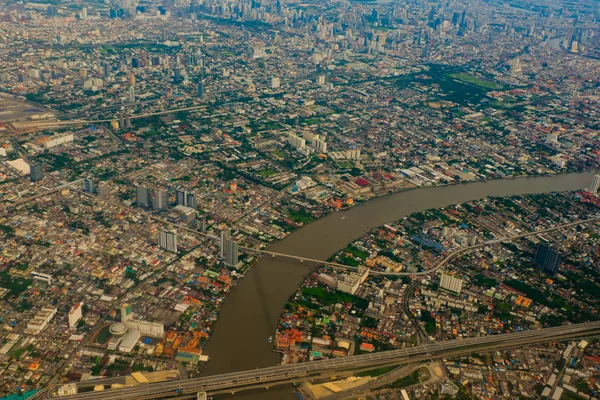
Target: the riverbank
pixel 251 312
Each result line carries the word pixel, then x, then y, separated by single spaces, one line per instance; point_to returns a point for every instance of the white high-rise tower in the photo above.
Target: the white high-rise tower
pixel 595 184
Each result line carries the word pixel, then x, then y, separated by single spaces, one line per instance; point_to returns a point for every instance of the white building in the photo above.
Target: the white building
pixel 297 142
pixel 352 154
pixel 351 282
pixel 20 165
pixel 57 140
pixel 451 283
pixel 595 184
pixel 41 319
pixel 75 314
pixel 167 240
pixel 129 341
pixel 146 328
pixel 319 144
pixel 275 83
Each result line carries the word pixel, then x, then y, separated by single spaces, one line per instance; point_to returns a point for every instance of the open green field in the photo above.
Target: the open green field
pixel 332 297
pixel 103 336
pixel 267 172
pixel 484 83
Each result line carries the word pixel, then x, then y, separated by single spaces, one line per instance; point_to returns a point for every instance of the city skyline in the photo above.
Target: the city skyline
pixel 339 200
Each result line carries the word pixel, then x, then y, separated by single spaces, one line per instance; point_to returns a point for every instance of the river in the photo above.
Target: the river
pixel 251 311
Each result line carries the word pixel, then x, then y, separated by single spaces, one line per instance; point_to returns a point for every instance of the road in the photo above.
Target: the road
pixel 359 391
pixel 271 376
pixel 421 334
pixel 437 267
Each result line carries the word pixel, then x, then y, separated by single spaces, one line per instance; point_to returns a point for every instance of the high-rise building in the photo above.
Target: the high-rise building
pixel 106 68
pixel 142 196
pixel 177 78
pixel 103 190
pixel 160 200
pixel 126 313
pixel 36 173
pixel 75 314
pixel 275 83
pixel 88 185
pixel 229 249
pixel 231 253
pixel 167 240
pixel 224 238
pixel 548 258
pixel 200 89
pixel 185 198
pixel 131 94
pixel 190 199
pixel 595 184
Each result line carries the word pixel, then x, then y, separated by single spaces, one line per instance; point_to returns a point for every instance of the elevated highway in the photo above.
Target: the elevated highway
pixel 271 376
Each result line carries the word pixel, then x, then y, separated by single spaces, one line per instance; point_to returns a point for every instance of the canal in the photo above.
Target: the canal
pixel 251 311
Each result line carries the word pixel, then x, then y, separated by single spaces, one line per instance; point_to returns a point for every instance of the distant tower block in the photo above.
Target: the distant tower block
pixel 36 173
pixel 275 83
pixel 321 80
pixel 103 190
pixel 595 184
pixel 167 240
pixel 200 90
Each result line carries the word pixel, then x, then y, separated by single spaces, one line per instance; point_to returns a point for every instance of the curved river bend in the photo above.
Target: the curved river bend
pixel 251 311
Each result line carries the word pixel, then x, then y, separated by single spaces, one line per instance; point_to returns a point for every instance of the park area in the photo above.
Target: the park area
pixel 474 80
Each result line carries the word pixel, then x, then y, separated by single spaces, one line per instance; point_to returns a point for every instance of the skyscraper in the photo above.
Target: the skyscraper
pixel 126 313
pixel 142 196
pixel 36 173
pixel 88 185
pixel 106 69
pixel 103 190
pixel 185 198
pixel 224 238
pixel 595 184
pixel 167 240
pixel 200 89
pixel 231 253
pixel 177 78
pixel 160 200
pixel 229 249
pixel 131 94
pixel 548 258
